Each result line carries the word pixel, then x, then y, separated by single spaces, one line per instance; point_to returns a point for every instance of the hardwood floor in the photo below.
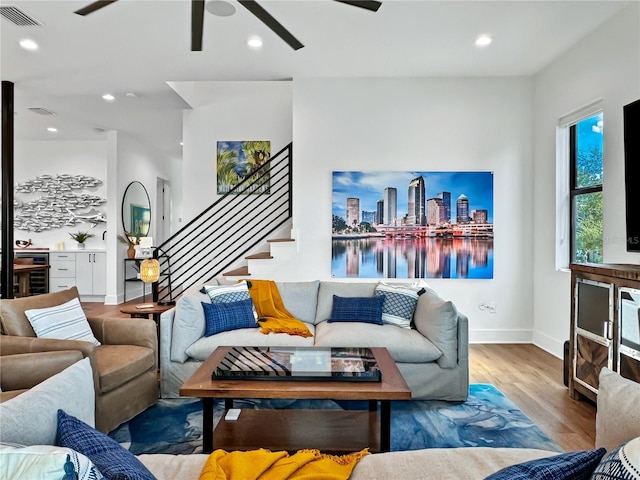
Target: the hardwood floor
pixel 532 379
pixel 529 376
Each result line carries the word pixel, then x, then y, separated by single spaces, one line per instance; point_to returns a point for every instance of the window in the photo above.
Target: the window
pixel 585 188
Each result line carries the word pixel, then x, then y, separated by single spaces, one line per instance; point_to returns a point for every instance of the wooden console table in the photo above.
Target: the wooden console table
pixel 605 324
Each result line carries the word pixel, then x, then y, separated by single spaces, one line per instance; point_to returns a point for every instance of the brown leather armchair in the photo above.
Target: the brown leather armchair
pixel 124 366
pixel 20 372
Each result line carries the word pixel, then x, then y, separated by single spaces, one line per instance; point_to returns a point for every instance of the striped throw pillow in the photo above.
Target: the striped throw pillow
pixel 62 322
pixel 230 293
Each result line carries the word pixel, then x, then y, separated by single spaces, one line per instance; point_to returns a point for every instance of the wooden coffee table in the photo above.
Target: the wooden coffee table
pixel 331 431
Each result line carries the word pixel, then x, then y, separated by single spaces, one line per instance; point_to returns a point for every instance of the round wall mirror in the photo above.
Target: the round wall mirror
pixel 136 210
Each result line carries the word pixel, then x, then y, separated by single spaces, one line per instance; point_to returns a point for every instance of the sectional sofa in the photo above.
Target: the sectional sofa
pixel 29 419
pixel 432 355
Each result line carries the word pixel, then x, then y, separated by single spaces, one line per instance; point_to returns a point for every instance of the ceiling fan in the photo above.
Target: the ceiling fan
pixel 197 18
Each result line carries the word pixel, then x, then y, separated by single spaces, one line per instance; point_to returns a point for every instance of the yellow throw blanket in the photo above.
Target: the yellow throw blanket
pixel 267 465
pixel 272 315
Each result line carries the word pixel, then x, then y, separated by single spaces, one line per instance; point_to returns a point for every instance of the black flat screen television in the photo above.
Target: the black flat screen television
pixel 632 173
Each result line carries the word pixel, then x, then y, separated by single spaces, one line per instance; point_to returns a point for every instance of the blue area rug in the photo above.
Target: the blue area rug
pixel 486 419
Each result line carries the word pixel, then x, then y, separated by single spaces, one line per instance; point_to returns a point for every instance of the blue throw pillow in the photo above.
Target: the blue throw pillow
pixel 113 461
pixel 221 317
pixel 567 466
pixel 357 309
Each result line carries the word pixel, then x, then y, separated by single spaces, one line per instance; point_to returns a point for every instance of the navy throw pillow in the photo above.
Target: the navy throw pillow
pixel 567 466
pixel 113 461
pixel 222 317
pixel 357 309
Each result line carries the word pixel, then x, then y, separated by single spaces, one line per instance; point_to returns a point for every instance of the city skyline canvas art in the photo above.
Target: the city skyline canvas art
pixel 415 224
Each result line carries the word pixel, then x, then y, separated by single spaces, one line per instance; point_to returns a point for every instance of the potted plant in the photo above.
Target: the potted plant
pixel 81 237
pixel 130 241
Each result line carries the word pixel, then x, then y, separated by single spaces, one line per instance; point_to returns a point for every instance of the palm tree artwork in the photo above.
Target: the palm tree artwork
pixel 237 161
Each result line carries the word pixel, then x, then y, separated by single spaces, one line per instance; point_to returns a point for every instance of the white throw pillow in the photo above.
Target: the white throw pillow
pixel 399 302
pixel 31 418
pixel 62 322
pixel 230 293
pixel 618 416
pixel 45 462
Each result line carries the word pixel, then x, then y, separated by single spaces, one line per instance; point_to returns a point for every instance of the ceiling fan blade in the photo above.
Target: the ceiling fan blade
pixel 266 18
pixel 92 7
pixel 372 5
pixel 197 22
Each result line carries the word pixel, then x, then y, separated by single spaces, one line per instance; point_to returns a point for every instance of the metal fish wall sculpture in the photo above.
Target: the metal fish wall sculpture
pixel 59 206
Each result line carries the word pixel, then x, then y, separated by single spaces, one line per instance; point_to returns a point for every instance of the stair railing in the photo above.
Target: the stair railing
pixel 226 231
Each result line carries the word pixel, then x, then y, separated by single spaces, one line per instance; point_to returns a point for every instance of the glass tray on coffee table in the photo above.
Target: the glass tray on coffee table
pixel 339 364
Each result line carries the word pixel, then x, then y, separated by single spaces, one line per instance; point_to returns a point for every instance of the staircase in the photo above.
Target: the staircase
pixel 229 238
pixel 260 264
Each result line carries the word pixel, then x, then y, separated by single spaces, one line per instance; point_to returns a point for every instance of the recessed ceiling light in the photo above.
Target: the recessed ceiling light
pixel 220 8
pixel 484 40
pixel 131 95
pixel 254 42
pixel 108 97
pixel 52 129
pixel 29 44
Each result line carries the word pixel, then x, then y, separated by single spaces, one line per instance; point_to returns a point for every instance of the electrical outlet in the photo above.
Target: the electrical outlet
pixel 488 307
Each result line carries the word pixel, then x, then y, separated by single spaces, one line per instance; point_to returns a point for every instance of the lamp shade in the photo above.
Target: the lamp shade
pixel 150 270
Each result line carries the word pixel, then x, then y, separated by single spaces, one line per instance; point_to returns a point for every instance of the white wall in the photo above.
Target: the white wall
pixel 227 111
pixel 134 162
pixel 55 157
pixel 605 65
pixel 423 124
pixel 116 160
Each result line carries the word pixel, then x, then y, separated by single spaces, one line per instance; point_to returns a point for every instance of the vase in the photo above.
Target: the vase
pixel 131 252
pixel 80 246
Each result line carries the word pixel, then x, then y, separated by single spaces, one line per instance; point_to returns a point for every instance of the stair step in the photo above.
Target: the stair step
pixel 275 240
pixel 238 272
pixel 259 256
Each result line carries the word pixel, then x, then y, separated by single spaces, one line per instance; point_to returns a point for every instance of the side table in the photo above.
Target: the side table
pixel 154 310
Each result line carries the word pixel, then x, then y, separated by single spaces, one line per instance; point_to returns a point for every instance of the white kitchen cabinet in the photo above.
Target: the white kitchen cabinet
pixel 86 270
pixel 91 273
pixel 62 271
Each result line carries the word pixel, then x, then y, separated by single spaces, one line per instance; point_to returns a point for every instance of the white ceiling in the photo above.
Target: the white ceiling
pixel 140 45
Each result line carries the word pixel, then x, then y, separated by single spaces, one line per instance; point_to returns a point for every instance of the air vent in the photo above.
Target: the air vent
pixel 41 111
pixel 18 17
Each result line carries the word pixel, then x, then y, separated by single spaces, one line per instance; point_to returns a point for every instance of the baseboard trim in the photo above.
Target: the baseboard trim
pixel 550 345
pixel 501 336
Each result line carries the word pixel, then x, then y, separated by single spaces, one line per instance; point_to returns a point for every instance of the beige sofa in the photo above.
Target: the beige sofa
pixel 618 420
pixel 432 357
pixel 124 365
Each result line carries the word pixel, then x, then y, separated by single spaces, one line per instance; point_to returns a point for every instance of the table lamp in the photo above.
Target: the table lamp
pixel 150 273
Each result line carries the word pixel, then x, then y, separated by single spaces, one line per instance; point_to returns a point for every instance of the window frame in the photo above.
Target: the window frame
pixel 574 190
pixel 564 221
